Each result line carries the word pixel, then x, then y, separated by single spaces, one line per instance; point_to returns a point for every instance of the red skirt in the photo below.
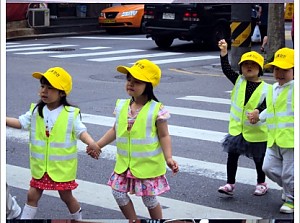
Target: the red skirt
pixel 46 183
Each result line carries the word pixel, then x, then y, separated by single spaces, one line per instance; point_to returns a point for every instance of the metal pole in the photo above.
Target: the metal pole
pixel 240 32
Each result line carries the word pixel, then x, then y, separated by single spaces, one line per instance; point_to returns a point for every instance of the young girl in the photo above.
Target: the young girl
pixel 54 127
pixel 244 138
pixel 143 142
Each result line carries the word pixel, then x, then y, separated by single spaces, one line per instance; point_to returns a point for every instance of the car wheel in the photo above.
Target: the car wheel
pixel 164 42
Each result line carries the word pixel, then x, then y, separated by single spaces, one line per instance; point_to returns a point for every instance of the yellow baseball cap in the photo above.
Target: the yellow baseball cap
pixel 284 59
pixel 143 70
pixel 57 77
pixel 253 56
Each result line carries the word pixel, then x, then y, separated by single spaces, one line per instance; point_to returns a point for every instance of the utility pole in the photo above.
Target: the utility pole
pixel 240 32
pixel 276 30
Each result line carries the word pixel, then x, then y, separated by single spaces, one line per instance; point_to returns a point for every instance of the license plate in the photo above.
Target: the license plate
pixel 109 21
pixel 168 16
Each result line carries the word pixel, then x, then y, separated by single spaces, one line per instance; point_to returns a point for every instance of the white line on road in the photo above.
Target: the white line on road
pixel 39 48
pixel 38 52
pixel 108 38
pixel 25 45
pixel 134 56
pixel 19 177
pixel 198 113
pixel 97 53
pixel 95 48
pixel 184 59
pixel 207 99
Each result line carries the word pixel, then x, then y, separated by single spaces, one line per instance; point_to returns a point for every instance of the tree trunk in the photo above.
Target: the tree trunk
pixel 276 30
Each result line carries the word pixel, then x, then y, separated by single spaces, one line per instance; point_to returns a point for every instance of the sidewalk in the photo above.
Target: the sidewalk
pixel 58 27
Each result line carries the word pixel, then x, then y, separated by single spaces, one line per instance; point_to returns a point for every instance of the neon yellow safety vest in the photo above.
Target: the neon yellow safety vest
pixel 280 117
pixel 56 154
pixel 139 149
pixel 238 112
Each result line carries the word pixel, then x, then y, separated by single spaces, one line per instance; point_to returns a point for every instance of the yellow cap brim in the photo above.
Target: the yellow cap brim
pixel 37 75
pixel 282 65
pixel 133 72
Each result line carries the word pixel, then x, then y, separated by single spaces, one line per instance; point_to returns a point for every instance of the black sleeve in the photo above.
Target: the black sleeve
pixel 263 106
pixel 226 68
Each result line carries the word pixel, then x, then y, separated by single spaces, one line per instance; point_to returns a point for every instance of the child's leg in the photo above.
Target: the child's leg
pixel 272 165
pixel 30 208
pixel 153 206
pixel 232 164
pixel 261 176
pixel 72 203
pixel 125 204
pixel 288 173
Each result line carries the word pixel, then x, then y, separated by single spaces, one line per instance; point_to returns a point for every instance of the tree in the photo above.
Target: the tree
pixel 276 30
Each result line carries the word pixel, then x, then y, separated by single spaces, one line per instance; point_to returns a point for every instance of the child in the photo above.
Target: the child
pixel 245 139
pixel 143 142
pixel 54 127
pixel 279 159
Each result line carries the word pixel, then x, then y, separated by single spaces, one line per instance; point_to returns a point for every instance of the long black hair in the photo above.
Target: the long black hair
pixel 63 100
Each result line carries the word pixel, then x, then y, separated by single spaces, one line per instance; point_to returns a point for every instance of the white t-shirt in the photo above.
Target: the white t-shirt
pixel 50 118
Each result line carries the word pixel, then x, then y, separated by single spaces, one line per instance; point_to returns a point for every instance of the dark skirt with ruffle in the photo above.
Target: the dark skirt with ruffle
pixel 237 144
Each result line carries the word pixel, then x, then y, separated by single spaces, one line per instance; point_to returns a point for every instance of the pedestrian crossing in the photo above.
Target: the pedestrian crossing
pixel 101 54
pixel 18 176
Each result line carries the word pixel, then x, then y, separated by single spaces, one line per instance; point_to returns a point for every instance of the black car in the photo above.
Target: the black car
pixel 204 24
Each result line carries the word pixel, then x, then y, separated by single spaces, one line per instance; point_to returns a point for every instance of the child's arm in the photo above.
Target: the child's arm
pixel 165 142
pixel 13 122
pixel 87 139
pixel 223 47
pixel 108 137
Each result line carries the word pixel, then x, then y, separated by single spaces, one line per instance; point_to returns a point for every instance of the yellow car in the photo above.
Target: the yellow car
pixel 122 17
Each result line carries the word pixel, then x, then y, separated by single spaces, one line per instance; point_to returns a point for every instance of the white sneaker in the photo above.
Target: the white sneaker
pixel 15 209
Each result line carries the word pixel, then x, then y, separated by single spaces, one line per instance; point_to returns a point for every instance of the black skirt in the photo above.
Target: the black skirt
pixel 237 144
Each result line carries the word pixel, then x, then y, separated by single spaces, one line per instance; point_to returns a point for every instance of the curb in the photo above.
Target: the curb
pixel 53 35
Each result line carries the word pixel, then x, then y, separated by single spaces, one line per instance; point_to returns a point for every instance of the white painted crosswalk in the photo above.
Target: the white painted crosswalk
pixel 18 176
pixel 103 53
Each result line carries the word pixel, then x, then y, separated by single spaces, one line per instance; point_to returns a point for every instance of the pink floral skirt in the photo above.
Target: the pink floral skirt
pixel 46 183
pixel 126 182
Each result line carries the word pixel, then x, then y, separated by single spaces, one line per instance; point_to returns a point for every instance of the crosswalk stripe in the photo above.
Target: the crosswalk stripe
pixel 12 43
pixel 184 59
pixel 109 38
pixel 100 195
pixel 38 52
pixel 38 48
pixel 95 48
pixel 198 113
pixel 25 45
pixel 191 166
pixel 186 132
pixel 134 57
pixel 207 99
pixel 97 53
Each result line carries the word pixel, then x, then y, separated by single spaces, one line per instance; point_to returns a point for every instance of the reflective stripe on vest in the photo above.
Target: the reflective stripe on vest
pixel 239 122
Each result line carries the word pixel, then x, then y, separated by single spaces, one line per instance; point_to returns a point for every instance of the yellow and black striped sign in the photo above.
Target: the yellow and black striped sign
pixel 240 34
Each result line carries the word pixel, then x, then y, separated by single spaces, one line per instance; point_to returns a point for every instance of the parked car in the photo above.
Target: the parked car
pixel 122 17
pixel 203 23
